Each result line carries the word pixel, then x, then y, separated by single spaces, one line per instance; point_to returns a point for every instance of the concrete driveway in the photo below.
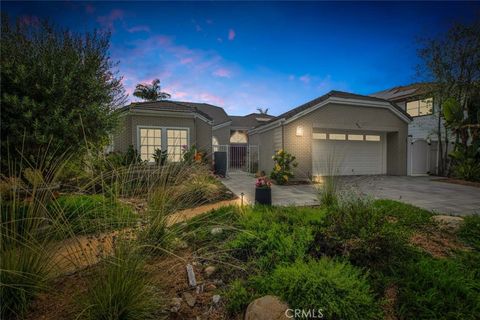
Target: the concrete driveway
pixel 424 192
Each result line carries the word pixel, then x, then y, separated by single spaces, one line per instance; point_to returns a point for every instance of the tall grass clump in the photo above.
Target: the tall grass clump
pixel 329 186
pixel 121 288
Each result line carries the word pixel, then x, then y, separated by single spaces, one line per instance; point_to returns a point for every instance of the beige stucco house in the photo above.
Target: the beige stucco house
pixel 346 133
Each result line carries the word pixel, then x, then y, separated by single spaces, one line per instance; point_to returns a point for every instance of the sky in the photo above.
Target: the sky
pixel 245 55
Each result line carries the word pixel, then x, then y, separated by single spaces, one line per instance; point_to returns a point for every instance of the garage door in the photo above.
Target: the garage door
pixel 348 153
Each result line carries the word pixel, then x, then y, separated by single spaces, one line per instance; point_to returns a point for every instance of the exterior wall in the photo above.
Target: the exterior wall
pixel 203 136
pixel 266 149
pixel 277 138
pixel 121 137
pixel 424 127
pixel 222 135
pixel 343 117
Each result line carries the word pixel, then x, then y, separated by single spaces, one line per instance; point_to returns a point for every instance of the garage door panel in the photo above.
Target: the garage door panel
pixel 347 157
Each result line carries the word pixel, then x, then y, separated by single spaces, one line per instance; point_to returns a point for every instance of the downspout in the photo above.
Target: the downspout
pixel 283 134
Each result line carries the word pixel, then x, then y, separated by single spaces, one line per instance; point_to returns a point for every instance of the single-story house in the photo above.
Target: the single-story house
pixel 339 132
pixel 175 125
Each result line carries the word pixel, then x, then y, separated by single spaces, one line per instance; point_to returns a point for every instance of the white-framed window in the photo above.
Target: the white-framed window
pixel 150 140
pixel 337 136
pixel 238 136
pixel 177 142
pixel 372 137
pixel 319 135
pixel 172 140
pixel 355 137
pixel 420 107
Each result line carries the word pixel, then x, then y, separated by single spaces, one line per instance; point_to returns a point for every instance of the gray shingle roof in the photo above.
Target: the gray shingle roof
pixel 403 92
pixel 333 93
pixel 167 105
pixel 249 121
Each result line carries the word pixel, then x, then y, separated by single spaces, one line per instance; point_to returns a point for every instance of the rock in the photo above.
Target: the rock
pixel 266 308
pixel 216 230
pixel 175 304
pixel 190 299
pixel 216 299
pixel 451 223
pixel 210 270
pixel 191 276
pixel 211 287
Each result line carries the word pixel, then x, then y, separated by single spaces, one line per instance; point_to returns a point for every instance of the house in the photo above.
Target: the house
pixel 423 149
pixel 175 125
pixel 339 132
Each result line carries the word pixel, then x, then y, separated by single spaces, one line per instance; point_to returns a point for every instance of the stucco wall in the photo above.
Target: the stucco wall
pixel 121 137
pixel 222 135
pixel 204 136
pixel 340 117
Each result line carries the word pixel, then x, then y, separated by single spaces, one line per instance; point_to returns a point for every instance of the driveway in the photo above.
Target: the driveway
pixel 424 192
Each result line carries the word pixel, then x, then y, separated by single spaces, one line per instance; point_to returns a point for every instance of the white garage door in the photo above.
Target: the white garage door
pixel 348 153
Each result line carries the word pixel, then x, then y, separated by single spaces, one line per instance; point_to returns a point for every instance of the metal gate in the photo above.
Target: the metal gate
pixel 240 157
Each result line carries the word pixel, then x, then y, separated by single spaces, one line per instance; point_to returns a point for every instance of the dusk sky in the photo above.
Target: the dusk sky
pixel 258 54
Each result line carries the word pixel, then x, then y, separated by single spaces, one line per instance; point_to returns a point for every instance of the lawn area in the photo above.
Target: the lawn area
pixel 359 260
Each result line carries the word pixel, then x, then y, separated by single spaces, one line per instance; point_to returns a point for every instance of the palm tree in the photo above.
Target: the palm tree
pixel 150 92
pixel 262 111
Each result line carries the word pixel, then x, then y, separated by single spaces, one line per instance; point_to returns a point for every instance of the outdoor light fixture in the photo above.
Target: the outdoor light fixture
pixel 299 131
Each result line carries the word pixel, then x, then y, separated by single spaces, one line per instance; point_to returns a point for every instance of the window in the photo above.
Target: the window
pixel 150 139
pixel 372 138
pixel 420 107
pixel 238 137
pixel 177 141
pixel 214 141
pixel 318 135
pixel 355 137
pixel 336 136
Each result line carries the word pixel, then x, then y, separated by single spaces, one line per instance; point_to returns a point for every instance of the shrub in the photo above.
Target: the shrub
pixel 406 215
pixel 358 230
pixel 238 297
pixel 470 231
pixel 277 236
pixel 337 288
pixel 438 289
pixel 91 213
pixel 121 288
pixel 284 162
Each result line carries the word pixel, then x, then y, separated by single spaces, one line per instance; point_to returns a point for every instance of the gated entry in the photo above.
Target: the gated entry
pixel 240 157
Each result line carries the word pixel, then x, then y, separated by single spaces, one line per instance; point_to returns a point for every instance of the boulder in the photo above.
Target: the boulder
pixel 266 308
pixel 216 230
pixel 189 299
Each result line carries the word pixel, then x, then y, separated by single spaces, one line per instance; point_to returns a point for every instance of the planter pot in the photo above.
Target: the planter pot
pixel 263 196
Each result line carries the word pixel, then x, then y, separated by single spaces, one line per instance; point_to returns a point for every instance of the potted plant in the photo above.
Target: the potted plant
pixel 263 191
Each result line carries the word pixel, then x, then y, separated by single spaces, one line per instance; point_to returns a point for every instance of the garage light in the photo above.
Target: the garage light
pixel 299 131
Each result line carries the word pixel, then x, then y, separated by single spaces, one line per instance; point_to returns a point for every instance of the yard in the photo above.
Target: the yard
pixel 119 246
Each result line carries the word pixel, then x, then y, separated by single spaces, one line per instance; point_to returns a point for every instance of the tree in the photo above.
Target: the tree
pixel 150 92
pixel 262 111
pixel 58 91
pixel 452 64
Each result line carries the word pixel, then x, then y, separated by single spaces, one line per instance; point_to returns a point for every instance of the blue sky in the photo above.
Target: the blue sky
pixel 258 54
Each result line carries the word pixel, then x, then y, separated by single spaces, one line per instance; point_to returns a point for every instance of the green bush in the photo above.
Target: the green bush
pixel 358 230
pixel 277 236
pixel 121 289
pixel 406 215
pixel 470 231
pixel 237 297
pixel 340 290
pixel 284 163
pixel 93 213
pixel 438 289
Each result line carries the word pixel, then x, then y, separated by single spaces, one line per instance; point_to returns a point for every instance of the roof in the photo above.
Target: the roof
pixel 250 121
pixel 403 92
pixel 337 94
pixel 217 114
pixel 170 106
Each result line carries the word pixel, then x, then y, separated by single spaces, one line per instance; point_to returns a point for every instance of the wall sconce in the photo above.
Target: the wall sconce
pixel 299 131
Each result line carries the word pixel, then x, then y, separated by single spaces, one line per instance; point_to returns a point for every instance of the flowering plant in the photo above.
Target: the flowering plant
pixel 283 168
pixel 263 183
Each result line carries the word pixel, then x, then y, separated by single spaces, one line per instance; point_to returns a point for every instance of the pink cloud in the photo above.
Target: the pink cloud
pixel 140 28
pixel 211 98
pixel 186 60
pixel 109 20
pixel 231 34
pixel 222 73
pixel 305 78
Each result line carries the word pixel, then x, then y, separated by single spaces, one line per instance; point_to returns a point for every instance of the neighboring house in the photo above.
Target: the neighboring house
pixel 418 102
pixel 340 132
pixel 175 125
